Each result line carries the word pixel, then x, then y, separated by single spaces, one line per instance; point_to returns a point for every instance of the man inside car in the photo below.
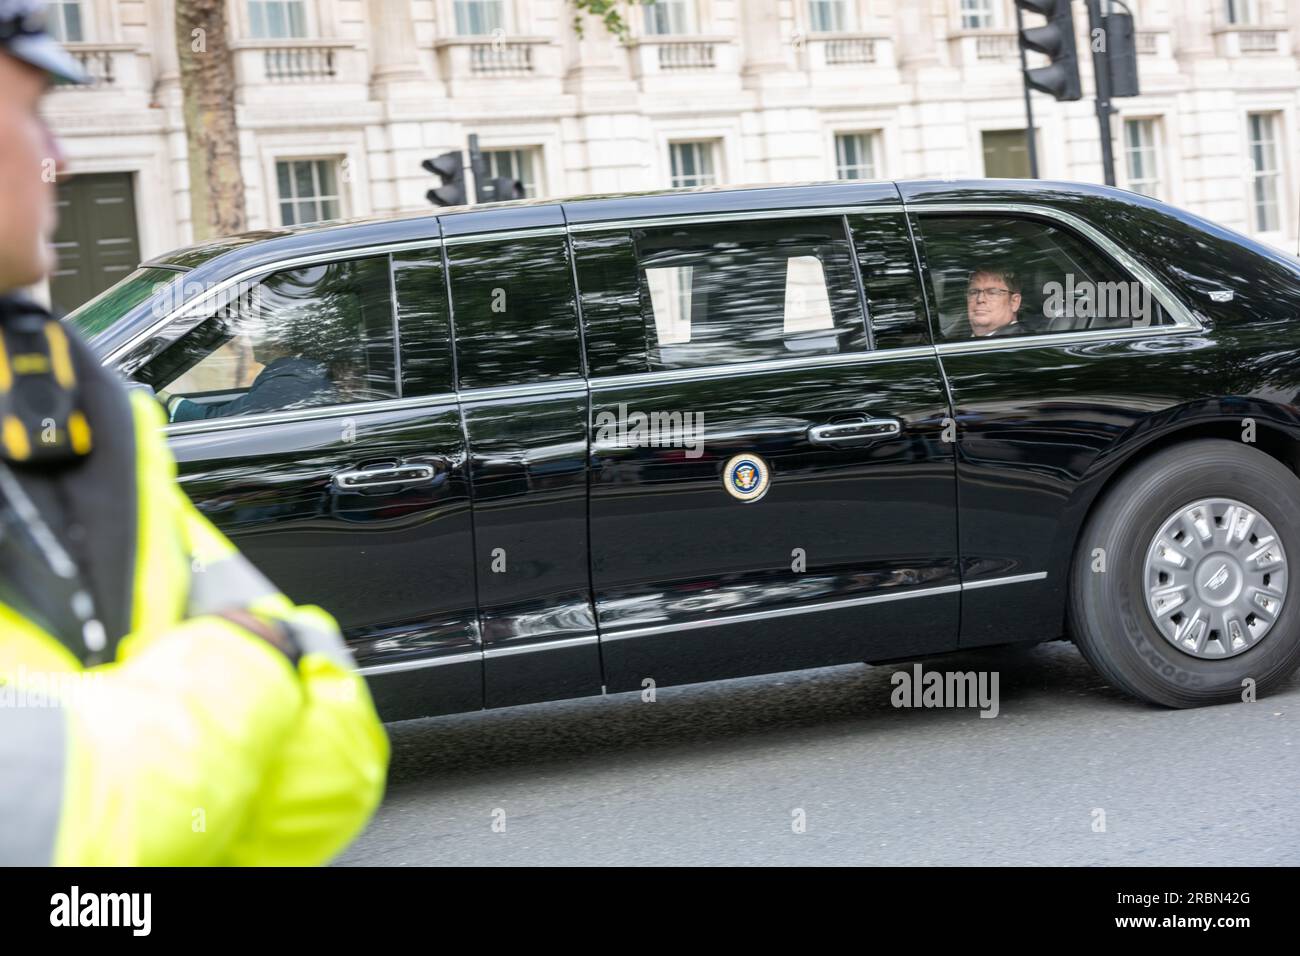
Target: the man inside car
pixel 289 379
pixel 993 303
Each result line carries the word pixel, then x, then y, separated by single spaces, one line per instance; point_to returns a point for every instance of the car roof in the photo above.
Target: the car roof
pixel 252 249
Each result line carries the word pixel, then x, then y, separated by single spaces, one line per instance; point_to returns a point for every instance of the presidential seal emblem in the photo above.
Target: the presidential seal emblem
pixel 746 477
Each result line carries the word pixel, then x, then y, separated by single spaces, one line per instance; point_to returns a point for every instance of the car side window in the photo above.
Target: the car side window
pixel 317 335
pixel 514 311
pixel 1000 276
pixel 887 261
pixel 722 293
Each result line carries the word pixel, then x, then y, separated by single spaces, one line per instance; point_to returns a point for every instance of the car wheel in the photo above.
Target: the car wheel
pixel 1183 589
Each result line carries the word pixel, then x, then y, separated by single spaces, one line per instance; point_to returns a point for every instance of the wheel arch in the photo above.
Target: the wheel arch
pixel 1276 432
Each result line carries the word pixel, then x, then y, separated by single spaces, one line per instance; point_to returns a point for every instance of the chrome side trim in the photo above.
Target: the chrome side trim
pixel 336 255
pixel 577 385
pixel 464 658
pixel 771 365
pixel 507 651
pixel 751 616
pixel 505 235
pixel 1012 343
pixel 800 212
pixel 1183 317
pixel 309 414
pixel 995 582
pixel 748 616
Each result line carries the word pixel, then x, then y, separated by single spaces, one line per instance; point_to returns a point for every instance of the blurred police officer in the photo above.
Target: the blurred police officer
pixel 160 701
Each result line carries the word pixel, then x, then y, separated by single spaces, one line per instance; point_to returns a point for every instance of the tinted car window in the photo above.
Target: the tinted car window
pixel 1004 276
pixel 319 335
pixel 895 302
pixel 514 311
pixel 611 303
pixel 716 294
pixel 424 327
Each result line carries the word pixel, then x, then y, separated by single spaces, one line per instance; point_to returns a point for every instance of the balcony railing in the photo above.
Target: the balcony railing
pixel 996 46
pixel 1259 41
pixel 1236 40
pixel 501 59
pixel 478 62
pixel 98 65
pixel 299 64
pixel 850 51
pixel 111 66
pixel 687 55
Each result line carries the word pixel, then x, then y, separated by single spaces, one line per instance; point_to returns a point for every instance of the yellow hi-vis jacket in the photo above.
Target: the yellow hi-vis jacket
pixel 198 744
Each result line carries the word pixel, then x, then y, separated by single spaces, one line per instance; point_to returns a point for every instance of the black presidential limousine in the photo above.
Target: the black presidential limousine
pixel 547 449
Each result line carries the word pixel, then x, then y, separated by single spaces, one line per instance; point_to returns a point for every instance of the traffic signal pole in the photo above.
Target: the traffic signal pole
pixel 1101 74
pixel 1031 135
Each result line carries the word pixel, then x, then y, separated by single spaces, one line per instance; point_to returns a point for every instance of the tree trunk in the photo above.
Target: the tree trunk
pixel 208 93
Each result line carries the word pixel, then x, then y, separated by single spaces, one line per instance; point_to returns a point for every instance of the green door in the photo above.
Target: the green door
pixel 97 241
pixel 1006 156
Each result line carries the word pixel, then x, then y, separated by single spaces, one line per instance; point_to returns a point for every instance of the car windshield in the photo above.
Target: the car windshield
pixel 116 301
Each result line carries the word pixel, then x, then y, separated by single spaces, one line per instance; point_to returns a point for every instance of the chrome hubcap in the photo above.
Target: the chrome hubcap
pixel 1215 578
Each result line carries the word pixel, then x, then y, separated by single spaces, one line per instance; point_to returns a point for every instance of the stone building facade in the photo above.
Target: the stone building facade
pixel 339 101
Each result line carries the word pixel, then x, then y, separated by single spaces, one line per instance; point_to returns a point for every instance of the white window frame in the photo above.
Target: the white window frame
pixel 714 147
pixel 534 187
pixel 1154 185
pixel 303 5
pixel 456 7
pixel 989 11
pixel 1241 13
pixel 1274 173
pixel 56 20
pixel 873 142
pixel 683 17
pixel 847 16
pixel 339 197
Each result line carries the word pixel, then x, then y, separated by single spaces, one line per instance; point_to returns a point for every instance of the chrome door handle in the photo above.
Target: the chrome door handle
pixel 383 476
pixel 855 431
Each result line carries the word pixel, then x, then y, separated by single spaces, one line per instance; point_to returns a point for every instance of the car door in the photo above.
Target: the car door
pixel 525 405
pixel 770 484
pixel 1100 351
pixel 352 494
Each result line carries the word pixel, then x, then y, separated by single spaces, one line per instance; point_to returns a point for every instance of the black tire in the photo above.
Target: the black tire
pixel 1108 615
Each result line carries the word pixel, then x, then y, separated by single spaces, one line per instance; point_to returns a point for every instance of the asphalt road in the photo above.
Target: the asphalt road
pixel 716 773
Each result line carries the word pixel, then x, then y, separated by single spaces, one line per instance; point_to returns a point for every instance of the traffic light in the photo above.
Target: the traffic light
pixel 1056 40
pixel 450 168
pixel 1121 52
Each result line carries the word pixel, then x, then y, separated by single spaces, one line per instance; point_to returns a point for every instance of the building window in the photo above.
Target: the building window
pixel 855 156
pixel 828 16
pixel 277 19
pixel 63 20
pixel 976 14
pixel 668 17
pixel 1243 12
pixel 1142 157
pixel 520 164
pixel 1265 173
pixel 478 17
pixel 694 164
pixel 308 190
